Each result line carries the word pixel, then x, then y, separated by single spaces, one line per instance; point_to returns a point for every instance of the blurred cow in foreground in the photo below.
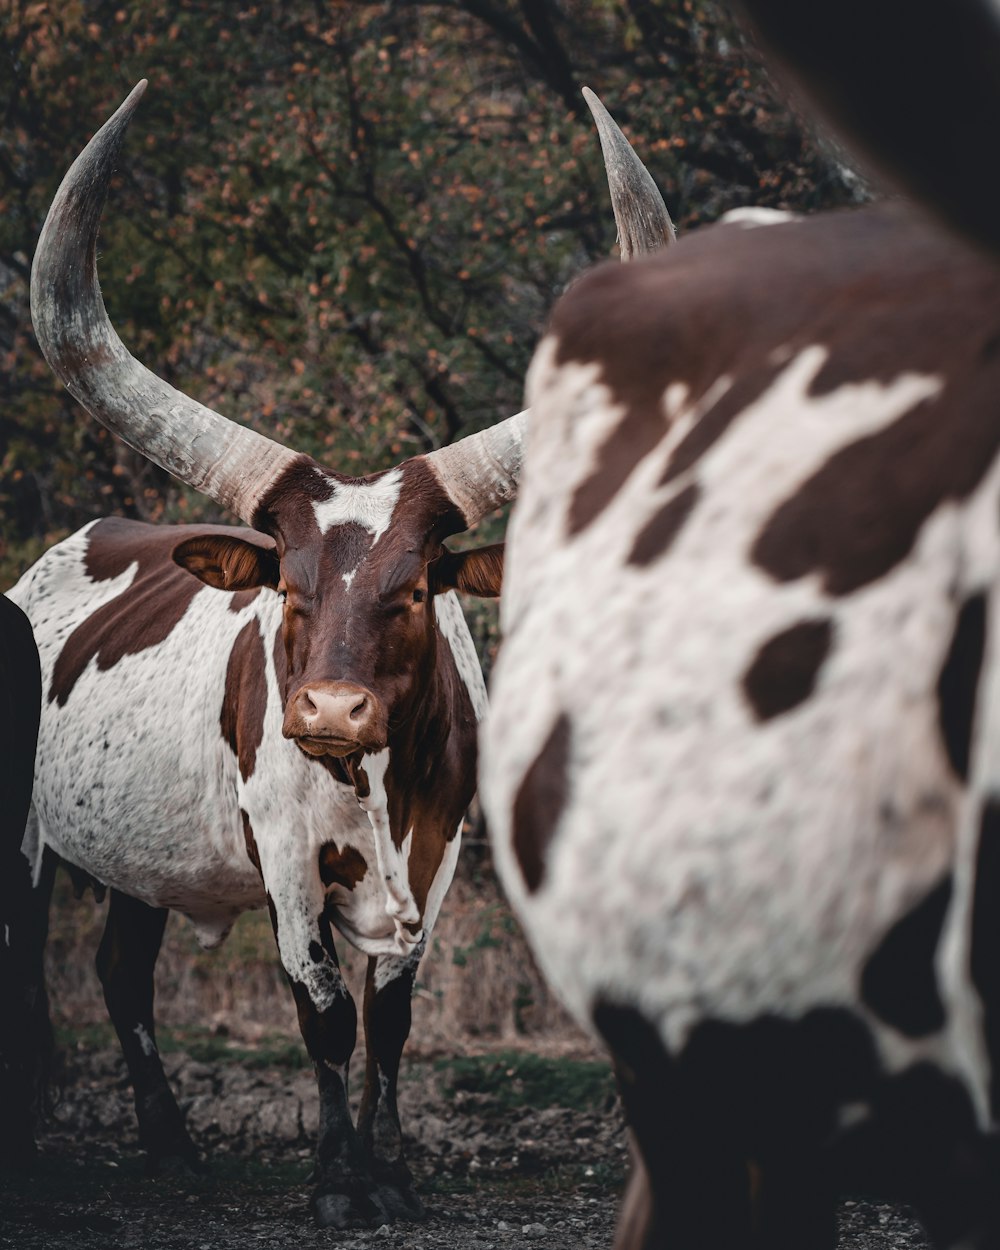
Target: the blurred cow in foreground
pixel 741 759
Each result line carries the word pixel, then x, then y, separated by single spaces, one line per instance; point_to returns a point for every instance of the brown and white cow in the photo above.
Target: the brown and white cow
pixel 302 733
pixel 294 724
pixel 742 759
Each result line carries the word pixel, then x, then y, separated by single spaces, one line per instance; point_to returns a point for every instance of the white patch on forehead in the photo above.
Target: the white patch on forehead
pixel 368 504
pixel 349 577
pixel 751 217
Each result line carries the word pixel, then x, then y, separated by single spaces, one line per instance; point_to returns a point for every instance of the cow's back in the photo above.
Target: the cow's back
pixel 136 783
pixel 717 729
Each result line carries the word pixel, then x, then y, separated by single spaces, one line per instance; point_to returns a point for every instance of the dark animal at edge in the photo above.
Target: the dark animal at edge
pixel 24 1031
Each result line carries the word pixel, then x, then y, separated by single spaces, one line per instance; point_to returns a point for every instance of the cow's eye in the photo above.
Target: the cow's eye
pixel 419 595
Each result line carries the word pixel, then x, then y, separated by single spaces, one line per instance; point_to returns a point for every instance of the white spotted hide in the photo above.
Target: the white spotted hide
pixel 705 864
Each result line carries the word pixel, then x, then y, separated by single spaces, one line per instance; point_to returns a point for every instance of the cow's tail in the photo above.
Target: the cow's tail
pixel 25 1031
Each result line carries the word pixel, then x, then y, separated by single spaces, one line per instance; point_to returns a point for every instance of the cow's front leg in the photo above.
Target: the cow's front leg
pixel 388 989
pixel 125 962
pixel 346 1194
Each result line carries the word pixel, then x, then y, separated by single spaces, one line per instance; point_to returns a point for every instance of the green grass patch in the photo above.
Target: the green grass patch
pixel 85 1036
pixel 201 1044
pixel 496 926
pixel 515 1079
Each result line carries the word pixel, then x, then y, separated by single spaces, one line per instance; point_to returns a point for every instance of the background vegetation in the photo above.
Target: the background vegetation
pixel 344 223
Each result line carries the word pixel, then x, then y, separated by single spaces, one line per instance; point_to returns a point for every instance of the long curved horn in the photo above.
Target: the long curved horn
pixel 480 472
pixel 225 460
pixel 643 222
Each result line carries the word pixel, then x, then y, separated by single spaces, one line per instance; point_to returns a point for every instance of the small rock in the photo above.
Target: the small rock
pixel 503 1226
pixel 383 1230
pixel 534 1230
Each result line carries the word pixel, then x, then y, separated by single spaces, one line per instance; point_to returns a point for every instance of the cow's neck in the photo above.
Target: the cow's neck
pixel 391 855
pixel 405 768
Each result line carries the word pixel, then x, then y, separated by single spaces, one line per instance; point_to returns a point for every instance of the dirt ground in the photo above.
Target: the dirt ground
pixel 508 1149
pixel 513 1127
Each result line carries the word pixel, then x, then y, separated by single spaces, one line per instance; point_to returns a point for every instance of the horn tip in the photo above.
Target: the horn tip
pixel 131 101
pixel 595 104
pixel 122 115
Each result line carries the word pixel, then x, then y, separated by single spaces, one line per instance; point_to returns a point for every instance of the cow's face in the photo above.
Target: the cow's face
pixel 357 563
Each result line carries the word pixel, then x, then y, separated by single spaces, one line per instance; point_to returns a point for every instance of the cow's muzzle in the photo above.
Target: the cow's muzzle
pixel 335 718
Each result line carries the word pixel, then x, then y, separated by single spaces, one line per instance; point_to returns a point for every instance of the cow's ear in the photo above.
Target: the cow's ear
pixel 228 563
pixel 476 572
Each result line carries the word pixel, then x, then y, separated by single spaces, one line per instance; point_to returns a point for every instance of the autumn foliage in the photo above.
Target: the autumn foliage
pixel 344 223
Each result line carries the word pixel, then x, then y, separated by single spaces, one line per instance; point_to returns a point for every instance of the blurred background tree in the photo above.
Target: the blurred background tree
pixel 344 223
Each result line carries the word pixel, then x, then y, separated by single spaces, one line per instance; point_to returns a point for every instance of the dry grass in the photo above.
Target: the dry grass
pixel 477 989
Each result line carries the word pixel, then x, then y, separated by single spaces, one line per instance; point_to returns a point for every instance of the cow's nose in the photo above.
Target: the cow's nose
pixel 337 711
pixel 321 708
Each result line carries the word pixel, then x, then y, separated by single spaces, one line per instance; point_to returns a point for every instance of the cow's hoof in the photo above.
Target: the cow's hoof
pixel 174 1158
pixel 164 1135
pixel 400 1202
pixel 18 1153
pixel 348 1208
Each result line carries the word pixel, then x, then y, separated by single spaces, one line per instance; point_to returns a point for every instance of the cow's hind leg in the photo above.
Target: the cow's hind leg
pixel 26 1040
pixel 689 1187
pixel 125 962
pixel 21 936
pixel 388 989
